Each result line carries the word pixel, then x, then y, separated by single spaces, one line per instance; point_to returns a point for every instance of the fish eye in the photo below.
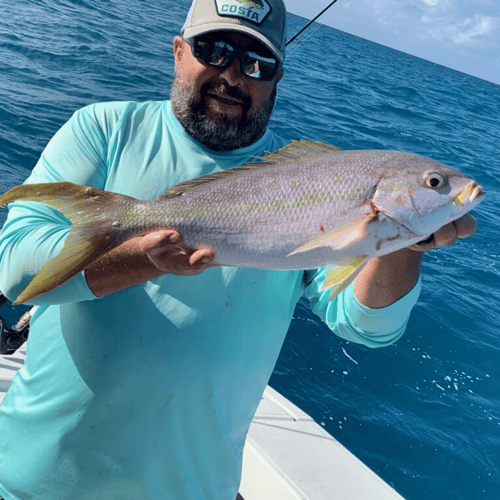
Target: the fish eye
pixel 434 180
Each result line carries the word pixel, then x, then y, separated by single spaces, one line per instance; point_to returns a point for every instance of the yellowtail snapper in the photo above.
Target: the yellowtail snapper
pixel 305 206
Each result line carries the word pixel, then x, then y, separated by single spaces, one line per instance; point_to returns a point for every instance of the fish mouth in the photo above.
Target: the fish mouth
pixel 470 193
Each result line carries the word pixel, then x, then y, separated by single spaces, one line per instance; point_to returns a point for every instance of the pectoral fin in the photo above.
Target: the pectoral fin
pixel 339 237
pixel 338 278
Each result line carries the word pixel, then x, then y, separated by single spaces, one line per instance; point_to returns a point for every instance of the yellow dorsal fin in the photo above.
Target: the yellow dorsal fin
pixel 293 151
pixel 185 186
pixel 299 149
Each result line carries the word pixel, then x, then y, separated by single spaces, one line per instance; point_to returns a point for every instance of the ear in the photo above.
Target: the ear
pixel 280 75
pixel 178 48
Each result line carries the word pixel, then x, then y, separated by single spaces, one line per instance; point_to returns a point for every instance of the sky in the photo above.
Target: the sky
pixel 461 34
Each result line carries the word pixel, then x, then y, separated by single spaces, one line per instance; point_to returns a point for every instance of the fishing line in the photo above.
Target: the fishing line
pixel 300 42
pixel 309 23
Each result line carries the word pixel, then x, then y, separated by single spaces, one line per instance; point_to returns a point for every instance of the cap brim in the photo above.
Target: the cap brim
pixel 210 28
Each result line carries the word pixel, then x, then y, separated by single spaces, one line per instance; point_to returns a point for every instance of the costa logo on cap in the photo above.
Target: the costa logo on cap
pixel 251 10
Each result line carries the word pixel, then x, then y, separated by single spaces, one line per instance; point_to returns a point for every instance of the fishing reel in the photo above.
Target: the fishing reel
pixel 11 339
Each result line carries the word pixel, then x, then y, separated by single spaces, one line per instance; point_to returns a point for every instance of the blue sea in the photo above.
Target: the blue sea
pixel 424 413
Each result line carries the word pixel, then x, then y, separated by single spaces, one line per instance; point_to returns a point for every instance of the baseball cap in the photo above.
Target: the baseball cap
pixel 264 20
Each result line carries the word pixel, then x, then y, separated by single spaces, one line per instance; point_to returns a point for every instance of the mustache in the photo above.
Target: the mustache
pixel 222 89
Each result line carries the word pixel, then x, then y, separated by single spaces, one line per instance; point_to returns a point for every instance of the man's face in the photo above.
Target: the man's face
pixel 222 109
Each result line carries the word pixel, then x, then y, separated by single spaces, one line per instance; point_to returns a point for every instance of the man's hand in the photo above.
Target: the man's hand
pixel 144 258
pixel 460 228
pixel 168 252
pixel 386 279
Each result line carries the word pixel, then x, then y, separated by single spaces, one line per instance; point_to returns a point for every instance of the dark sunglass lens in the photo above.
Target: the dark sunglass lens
pixel 220 54
pixel 213 52
pixel 258 66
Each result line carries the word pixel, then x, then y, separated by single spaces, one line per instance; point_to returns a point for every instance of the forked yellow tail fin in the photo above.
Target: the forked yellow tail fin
pixel 92 213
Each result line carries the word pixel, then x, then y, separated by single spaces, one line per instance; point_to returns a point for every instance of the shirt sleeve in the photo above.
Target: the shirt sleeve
pixel 34 233
pixel 353 321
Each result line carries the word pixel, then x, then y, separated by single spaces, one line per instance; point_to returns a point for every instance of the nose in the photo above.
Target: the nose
pixel 233 74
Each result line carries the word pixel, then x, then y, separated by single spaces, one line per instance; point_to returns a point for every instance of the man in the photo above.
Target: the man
pixel 143 373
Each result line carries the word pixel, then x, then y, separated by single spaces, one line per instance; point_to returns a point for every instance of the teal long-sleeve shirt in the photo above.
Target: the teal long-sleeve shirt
pixel 147 393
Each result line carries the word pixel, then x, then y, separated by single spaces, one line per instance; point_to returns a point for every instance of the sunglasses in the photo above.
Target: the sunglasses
pixel 221 54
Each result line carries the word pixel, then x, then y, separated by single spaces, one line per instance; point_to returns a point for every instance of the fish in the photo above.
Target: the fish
pixel 306 206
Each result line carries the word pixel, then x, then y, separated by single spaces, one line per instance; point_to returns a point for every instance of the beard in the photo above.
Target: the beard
pixel 219 133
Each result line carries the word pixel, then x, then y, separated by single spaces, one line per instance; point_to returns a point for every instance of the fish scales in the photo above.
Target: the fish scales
pixel 262 215
pixel 306 206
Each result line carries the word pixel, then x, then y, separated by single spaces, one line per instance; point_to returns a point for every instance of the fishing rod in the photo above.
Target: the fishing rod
pixel 309 23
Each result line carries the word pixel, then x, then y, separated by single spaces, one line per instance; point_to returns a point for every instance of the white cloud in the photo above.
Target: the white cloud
pixel 442 5
pixel 457 22
pixel 463 34
pixel 469 31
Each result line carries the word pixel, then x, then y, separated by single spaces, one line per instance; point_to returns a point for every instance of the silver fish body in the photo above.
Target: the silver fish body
pixel 255 217
pixel 308 205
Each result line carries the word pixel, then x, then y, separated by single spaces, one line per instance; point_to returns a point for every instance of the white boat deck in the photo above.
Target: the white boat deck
pixel 287 456
pixel 8 368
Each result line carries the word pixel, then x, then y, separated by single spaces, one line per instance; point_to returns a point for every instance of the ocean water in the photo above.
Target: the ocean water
pixel 424 413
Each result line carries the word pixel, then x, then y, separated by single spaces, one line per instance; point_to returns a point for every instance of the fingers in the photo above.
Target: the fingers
pixel 423 246
pixel 446 235
pixel 202 256
pixel 463 227
pixel 168 252
pixel 158 242
pixel 466 226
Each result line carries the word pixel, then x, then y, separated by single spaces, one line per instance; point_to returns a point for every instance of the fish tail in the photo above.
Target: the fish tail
pixel 93 233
